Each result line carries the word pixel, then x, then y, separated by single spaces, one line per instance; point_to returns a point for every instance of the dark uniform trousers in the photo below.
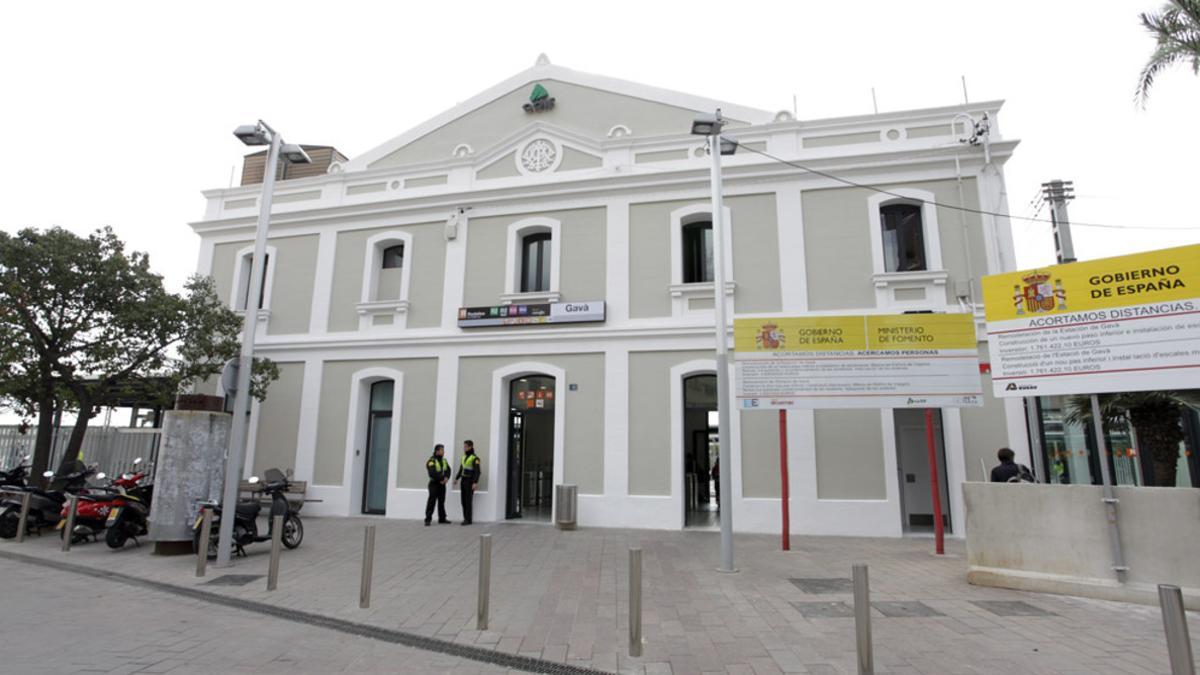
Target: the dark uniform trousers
pixel 469 472
pixel 468 499
pixel 437 495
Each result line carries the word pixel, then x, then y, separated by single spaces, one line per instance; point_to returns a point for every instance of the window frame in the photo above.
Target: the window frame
pixel 514 259
pixel 704 268
pixel 243 261
pixel 543 242
pixel 922 199
pixel 369 305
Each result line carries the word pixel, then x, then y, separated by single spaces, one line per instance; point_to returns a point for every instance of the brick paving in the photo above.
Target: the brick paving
pixel 562 596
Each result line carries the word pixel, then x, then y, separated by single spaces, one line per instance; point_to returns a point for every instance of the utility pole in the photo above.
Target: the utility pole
pixel 1057 193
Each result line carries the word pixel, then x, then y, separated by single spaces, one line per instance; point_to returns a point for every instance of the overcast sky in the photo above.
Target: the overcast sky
pixel 120 113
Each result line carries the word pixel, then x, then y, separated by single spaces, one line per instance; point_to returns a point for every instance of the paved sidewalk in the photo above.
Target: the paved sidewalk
pixel 562 596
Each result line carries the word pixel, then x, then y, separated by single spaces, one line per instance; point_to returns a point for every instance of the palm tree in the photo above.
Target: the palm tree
pixel 1176 30
pixel 1155 415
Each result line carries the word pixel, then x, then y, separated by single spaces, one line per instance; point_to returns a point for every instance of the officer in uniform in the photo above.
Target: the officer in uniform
pixel 439 473
pixel 468 472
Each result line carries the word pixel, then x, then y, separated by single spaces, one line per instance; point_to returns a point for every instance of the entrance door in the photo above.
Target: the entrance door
pixel 701 491
pixel 530 474
pixel 912 467
pixel 379 434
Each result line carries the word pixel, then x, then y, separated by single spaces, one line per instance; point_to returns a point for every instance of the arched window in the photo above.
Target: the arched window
pixel 535 262
pixel 386 277
pixel 697 252
pixel 903 233
pixel 243 267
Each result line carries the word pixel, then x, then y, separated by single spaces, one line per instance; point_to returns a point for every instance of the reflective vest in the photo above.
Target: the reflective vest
pixel 470 466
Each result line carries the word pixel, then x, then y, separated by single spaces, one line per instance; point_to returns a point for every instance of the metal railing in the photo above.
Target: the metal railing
pixel 113 449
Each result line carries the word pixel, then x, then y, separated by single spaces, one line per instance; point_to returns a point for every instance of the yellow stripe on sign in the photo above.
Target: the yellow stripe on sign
pixel 799 334
pixel 1141 278
pixel 921 331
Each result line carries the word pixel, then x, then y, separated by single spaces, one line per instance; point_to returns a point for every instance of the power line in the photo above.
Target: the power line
pixel 967 209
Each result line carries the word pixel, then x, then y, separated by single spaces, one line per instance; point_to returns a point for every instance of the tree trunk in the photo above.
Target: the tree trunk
pixel 77 433
pixel 42 442
pixel 1159 432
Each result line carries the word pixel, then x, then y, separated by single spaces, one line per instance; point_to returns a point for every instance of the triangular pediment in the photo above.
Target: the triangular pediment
pixel 583 105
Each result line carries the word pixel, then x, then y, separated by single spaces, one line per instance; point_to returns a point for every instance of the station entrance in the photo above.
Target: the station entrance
pixel 531 401
pixel 912 467
pixel 701 491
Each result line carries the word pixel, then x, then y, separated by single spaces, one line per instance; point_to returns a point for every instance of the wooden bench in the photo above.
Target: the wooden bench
pixel 294 494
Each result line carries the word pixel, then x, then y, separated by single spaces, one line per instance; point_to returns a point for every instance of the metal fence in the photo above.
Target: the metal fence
pixel 112 449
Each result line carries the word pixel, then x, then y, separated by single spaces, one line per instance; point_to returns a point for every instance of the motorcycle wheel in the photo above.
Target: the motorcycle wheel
pixel 116 536
pixel 293 531
pixel 212 542
pixel 8 524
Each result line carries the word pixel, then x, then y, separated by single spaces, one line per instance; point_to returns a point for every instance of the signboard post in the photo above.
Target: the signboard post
pixel 1129 323
pixel 784 496
pixel 858 361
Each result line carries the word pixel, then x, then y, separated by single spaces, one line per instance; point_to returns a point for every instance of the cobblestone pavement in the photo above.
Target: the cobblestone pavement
pixel 563 597
pixel 59 622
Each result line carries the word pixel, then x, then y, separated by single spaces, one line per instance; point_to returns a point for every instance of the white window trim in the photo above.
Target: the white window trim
pixel 932 279
pixel 512 264
pixel 354 461
pixel 682 293
pixel 367 307
pixel 236 291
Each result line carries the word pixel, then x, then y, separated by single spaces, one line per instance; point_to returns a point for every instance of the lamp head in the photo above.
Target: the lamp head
pixel 707 125
pixel 728 146
pixel 295 154
pixel 252 134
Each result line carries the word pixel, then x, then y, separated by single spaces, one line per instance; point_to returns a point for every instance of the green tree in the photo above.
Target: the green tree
pixel 1156 416
pixel 1176 31
pixel 88 321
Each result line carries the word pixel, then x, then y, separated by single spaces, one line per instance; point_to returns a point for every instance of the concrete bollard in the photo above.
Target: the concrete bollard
pixel 862 620
pixel 1179 647
pixel 368 565
pixel 23 523
pixel 485 581
pixel 276 548
pixel 206 516
pixel 69 529
pixel 635 602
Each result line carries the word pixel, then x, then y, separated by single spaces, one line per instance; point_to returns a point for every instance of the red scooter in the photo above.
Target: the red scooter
pixel 93 506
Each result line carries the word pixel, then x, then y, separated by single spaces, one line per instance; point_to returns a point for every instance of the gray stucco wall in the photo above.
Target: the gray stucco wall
pixel 650 418
pixel 849 455
pixel 428 258
pixel 279 421
pixel 985 429
pixel 583 443
pixel 583 109
pixel 760 453
pixel 292 288
pixel 583 256
pixel 755 239
pixel 838 245
pixel 415 417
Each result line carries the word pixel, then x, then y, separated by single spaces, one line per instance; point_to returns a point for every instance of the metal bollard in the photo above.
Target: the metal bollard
pixel 23 524
pixel 485 581
pixel 635 602
pixel 1179 647
pixel 368 564
pixel 69 528
pixel 862 620
pixel 276 547
pixel 206 516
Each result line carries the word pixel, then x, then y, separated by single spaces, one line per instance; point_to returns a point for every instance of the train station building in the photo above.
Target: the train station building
pixel 532 270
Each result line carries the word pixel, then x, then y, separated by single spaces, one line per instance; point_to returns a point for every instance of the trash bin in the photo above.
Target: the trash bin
pixel 565 506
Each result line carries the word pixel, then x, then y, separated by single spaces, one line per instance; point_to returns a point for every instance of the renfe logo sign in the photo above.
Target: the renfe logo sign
pixel 527 315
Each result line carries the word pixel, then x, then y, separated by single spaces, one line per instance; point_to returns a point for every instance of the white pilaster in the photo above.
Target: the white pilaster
pixel 455 273
pixel 616 422
pixel 956 468
pixel 445 412
pixel 310 408
pixel 318 321
pixel 793 276
pixel 617 262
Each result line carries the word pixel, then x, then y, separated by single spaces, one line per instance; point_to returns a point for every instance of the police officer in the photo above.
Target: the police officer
pixel 468 472
pixel 439 473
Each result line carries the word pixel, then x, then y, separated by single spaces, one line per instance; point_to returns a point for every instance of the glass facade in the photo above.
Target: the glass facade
pixel 1070 457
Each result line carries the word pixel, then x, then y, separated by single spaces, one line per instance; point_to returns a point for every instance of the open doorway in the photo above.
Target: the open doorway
pixel 530 479
pixel 701 490
pixel 912 468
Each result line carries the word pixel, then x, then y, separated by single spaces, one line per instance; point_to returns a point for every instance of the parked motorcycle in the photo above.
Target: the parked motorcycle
pixel 245 524
pixel 15 477
pixel 45 506
pixel 129 517
pixel 94 508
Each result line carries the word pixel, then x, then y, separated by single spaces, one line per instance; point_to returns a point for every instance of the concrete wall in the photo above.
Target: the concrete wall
pixel 850 461
pixel 1054 538
pixel 649 418
pixel 427 255
pixel 279 421
pixel 583 444
pixel 760 454
pixel 415 417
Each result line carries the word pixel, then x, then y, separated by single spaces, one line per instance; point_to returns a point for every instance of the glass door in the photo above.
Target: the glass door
pixel 516 441
pixel 379 434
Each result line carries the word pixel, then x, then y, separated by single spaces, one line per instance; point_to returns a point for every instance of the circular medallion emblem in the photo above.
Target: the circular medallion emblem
pixel 538 156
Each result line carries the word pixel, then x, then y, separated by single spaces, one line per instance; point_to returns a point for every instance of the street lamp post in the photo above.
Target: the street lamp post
pixel 710 126
pixel 251 134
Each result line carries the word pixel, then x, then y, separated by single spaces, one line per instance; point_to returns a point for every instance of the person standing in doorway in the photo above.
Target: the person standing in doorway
pixel 468 472
pixel 439 474
pixel 1008 471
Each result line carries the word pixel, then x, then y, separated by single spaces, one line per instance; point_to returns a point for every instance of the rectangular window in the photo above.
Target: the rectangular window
pixel 247 269
pixel 393 257
pixel 697 253
pixel 535 263
pixel 903 238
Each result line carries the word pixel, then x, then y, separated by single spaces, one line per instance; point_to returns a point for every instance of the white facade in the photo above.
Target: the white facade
pixel 612 175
